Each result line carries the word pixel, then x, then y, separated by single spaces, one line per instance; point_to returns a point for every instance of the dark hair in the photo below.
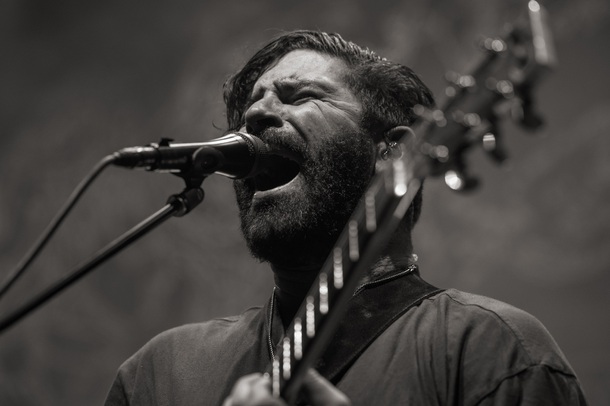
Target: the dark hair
pixel 388 91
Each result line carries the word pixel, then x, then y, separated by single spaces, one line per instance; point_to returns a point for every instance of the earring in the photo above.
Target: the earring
pixel 388 151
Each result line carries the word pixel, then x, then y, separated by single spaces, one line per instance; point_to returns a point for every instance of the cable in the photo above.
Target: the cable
pixel 18 271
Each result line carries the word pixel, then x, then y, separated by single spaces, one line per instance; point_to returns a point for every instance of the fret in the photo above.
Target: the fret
pixel 298 339
pixel 338 268
pixel 275 377
pixel 354 249
pixel 323 291
pixel 405 201
pixel 370 212
pixel 400 177
pixel 388 177
pixel 286 366
pixel 310 317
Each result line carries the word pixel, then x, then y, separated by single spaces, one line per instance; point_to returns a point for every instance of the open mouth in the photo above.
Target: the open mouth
pixel 279 171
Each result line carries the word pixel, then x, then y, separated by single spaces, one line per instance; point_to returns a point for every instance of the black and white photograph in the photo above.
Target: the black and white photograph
pixel 371 202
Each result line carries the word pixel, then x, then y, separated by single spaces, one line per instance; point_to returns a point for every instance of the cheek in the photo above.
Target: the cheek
pixel 243 194
pixel 345 155
pixel 319 119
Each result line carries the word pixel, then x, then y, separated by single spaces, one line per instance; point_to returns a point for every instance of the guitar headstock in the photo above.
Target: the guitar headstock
pixel 500 87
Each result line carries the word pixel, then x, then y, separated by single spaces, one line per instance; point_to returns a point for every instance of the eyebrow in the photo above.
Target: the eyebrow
pixel 298 84
pixel 293 84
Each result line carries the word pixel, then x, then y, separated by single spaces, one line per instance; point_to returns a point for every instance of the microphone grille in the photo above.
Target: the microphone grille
pixel 259 150
pixel 258 147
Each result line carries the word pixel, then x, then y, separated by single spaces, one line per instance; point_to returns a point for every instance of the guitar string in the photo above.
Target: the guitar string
pixel 411 268
pixel 270 323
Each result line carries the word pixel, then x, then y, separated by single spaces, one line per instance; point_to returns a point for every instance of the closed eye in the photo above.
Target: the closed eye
pixel 304 96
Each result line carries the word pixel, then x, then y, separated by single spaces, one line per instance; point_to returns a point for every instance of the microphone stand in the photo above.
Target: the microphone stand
pixel 177 205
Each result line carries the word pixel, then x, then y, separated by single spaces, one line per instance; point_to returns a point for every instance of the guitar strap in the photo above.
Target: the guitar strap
pixel 369 313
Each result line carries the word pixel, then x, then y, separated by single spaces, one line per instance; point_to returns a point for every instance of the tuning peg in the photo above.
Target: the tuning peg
pixel 493 45
pixel 458 178
pixel 458 82
pixel 460 181
pixel 433 116
pixel 490 142
pixel 532 120
pixel 492 146
pixel 504 88
pixel 524 112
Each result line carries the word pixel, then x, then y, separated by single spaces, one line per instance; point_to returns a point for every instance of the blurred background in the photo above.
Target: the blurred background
pixel 81 79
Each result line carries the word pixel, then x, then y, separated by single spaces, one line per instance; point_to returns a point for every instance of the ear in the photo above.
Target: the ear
pixel 390 147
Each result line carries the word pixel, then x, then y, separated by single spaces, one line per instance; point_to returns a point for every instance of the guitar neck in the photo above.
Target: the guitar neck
pixel 359 246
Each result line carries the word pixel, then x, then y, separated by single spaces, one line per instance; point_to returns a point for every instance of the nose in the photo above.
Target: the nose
pixel 264 113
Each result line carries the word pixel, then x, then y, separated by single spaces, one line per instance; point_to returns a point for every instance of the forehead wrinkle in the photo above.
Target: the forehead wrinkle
pixel 300 72
pixel 331 82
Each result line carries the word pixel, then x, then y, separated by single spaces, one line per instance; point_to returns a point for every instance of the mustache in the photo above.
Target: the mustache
pixel 278 138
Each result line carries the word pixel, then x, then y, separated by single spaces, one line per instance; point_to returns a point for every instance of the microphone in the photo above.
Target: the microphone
pixel 236 156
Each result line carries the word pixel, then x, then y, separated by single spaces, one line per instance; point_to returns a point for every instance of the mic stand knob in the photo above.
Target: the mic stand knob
pixel 186 201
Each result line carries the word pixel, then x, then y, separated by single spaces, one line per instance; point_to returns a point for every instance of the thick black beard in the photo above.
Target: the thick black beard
pixel 300 229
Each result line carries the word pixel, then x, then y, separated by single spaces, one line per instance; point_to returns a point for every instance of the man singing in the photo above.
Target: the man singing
pixel 338 109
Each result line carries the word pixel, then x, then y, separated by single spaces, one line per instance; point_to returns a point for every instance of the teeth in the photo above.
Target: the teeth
pixel 284 153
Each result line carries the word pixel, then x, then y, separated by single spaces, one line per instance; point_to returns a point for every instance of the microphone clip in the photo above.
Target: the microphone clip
pixel 193 177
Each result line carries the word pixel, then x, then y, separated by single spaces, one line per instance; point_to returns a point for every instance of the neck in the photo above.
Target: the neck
pixel 292 285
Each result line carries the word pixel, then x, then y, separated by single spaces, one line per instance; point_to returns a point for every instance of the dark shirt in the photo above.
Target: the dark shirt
pixel 454 348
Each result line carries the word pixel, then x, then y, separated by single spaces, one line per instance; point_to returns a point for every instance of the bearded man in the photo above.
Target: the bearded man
pixel 336 109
